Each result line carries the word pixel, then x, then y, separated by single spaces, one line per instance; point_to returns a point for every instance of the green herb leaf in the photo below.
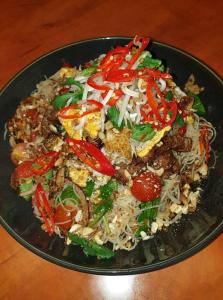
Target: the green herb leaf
pixel 197 105
pixel 49 175
pixel 94 63
pixel 143 227
pixel 106 204
pixel 91 248
pixel 26 186
pixel 161 68
pixel 71 81
pixel 113 114
pixel 129 124
pixel 149 211
pixel 46 187
pixel 180 120
pixel 61 100
pixel 89 71
pixel 68 193
pixel 107 189
pixel 100 210
pixel 169 96
pixel 150 62
pixel 105 221
pixel 88 190
pixel 142 132
pixel 36 166
pixel 102 206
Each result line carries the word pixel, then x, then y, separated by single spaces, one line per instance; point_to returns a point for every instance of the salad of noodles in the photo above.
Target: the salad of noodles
pixel 111 151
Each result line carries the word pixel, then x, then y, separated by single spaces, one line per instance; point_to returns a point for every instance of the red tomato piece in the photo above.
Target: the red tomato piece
pixel 146 186
pixel 64 216
pixel 24 170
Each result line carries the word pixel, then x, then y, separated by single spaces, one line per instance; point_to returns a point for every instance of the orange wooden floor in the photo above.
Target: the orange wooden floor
pixel 30 28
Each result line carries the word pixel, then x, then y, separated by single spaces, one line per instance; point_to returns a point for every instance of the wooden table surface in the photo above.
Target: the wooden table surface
pixel 30 28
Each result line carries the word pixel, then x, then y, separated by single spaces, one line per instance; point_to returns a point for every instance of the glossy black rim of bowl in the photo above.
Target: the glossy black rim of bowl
pixel 125 271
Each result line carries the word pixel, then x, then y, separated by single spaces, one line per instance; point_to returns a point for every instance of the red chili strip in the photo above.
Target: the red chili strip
pixel 144 43
pixel 120 75
pixel 41 202
pixel 64 110
pixel 91 82
pixel 91 156
pixel 117 95
pixel 113 59
pixel 46 162
pixel 146 73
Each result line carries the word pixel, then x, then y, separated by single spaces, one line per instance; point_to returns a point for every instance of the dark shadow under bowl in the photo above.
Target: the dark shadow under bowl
pixel 181 240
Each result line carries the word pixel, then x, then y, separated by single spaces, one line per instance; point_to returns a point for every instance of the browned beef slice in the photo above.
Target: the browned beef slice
pixel 176 142
pixel 185 103
pixel 167 161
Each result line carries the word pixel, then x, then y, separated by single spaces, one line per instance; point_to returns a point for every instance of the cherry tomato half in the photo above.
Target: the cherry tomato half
pixel 64 216
pixel 24 170
pixel 146 186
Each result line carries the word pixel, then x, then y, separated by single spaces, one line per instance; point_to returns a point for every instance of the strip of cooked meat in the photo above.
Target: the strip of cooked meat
pixel 124 172
pixel 185 103
pixel 120 175
pixel 149 158
pixel 49 118
pixel 167 161
pixel 186 177
pixel 176 142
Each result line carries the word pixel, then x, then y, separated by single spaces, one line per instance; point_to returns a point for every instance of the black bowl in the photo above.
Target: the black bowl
pixel 179 241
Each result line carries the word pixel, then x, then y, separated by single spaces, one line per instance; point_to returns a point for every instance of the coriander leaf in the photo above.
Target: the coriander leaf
pixel 113 114
pixel 197 105
pixel 142 132
pixel 91 248
pixel 89 188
